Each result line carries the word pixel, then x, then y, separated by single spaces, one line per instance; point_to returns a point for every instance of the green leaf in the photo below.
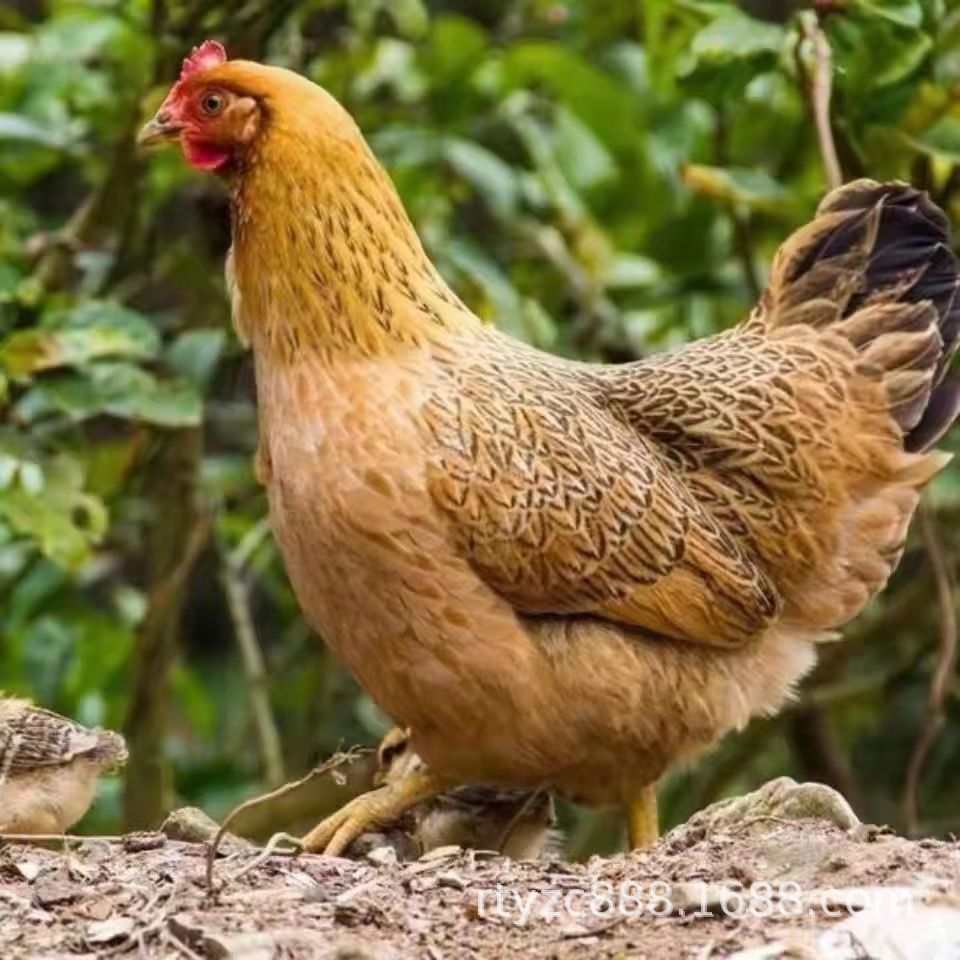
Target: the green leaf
pixel 489 277
pixel 394 68
pixel 410 16
pixel 630 271
pixel 904 13
pixel 454 48
pixel 871 53
pixel 61 518
pixel 14 51
pixel 194 355
pixel 10 280
pixel 76 337
pixel 728 53
pixel 942 140
pixel 593 95
pixel 753 189
pixel 17 128
pixel 580 154
pixel 493 179
pixel 119 390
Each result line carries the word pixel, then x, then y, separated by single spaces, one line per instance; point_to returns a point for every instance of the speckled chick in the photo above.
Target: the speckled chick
pixel 49 767
pixel 517 823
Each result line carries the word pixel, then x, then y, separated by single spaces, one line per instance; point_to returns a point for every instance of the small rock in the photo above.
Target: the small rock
pixel 870 832
pixel 29 870
pixel 106 931
pixel 421 884
pixel 452 881
pixel 382 857
pixel 442 853
pixel 417 925
pixel 55 893
pixel 143 840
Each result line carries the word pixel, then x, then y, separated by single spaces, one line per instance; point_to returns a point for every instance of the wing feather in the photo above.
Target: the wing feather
pixel 565 508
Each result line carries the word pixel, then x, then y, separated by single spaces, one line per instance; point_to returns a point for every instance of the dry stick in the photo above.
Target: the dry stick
pixel 56 838
pixel 525 808
pixel 337 760
pixel 819 90
pixel 238 601
pixel 156 648
pixel 939 683
pixel 271 848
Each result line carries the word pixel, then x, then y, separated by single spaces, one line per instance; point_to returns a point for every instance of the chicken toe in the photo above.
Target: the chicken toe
pixel 371 810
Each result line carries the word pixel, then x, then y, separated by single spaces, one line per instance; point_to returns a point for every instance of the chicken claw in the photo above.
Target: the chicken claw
pixel 370 810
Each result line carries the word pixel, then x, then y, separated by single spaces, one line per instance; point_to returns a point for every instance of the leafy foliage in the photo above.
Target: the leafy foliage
pixel 601 179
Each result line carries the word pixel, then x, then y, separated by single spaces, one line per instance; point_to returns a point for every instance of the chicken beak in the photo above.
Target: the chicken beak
pixel 161 129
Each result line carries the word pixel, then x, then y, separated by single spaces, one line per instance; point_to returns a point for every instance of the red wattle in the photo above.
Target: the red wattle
pixel 203 155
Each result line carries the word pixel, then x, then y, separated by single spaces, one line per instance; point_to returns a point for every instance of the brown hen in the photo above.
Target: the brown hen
pixel 559 574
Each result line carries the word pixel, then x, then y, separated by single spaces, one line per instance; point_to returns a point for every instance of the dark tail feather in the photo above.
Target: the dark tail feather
pixel 879 254
pixel 940 415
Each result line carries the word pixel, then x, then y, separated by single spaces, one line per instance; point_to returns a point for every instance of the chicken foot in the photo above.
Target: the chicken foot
pixel 371 810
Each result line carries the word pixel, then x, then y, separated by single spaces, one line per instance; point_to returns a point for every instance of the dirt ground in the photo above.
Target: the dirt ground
pixel 834 893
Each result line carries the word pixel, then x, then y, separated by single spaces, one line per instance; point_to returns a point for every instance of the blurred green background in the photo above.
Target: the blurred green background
pixel 604 179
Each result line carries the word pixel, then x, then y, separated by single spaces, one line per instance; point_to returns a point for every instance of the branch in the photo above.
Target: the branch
pixel 819 88
pixel 946 662
pixel 742 230
pixel 327 770
pixel 177 537
pixel 232 570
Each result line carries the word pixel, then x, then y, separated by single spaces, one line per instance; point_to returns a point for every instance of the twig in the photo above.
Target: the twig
pixel 56 838
pixel 819 89
pixel 269 850
pixel 742 229
pixel 743 240
pixel 591 931
pixel 238 601
pixel 243 553
pixel 337 760
pixel 525 808
pixel 950 187
pixel 169 938
pixel 176 545
pixel 599 314
pixel 939 683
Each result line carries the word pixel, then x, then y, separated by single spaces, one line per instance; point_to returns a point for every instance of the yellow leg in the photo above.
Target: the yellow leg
pixel 643 825
pixel 376 808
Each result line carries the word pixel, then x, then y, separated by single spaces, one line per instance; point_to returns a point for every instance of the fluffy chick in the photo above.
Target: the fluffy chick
pixel 49 767
pixel 517 823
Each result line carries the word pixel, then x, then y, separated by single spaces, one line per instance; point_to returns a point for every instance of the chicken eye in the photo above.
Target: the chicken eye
pixel 212 104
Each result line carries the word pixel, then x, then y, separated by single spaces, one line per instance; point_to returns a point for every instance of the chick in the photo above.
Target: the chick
pixel 49 767
pixel 517 823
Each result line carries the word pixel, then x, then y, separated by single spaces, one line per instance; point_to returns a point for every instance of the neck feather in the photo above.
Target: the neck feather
pixel 325 259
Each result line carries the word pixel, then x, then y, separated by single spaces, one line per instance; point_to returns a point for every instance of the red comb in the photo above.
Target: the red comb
pixel 208 54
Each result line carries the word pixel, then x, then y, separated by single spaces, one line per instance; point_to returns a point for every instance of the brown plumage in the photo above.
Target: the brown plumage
pixel 560 574
pixel 49 767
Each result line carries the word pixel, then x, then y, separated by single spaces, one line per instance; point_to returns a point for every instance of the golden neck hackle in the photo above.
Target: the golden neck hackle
pixel 326 262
